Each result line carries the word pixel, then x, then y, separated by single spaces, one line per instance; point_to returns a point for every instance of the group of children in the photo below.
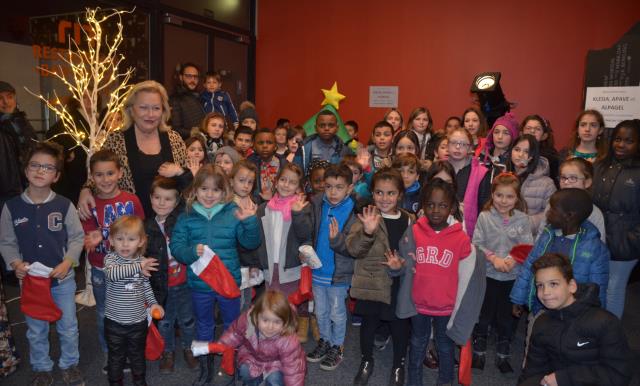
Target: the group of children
pixel 424 230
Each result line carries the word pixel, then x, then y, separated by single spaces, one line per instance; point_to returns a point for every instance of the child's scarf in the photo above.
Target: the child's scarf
pixel 208 213
pixel 413 188
pixel 282 205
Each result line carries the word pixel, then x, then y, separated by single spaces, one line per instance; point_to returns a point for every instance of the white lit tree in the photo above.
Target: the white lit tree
pixel 93 70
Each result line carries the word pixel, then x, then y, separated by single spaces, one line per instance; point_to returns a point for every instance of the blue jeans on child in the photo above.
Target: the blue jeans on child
pixel 421 330
pixel 99 293
pixel 273 379
pixel 204 304
pixel 64 296
pixel 177 309
pixel 331 312
pixel 619 272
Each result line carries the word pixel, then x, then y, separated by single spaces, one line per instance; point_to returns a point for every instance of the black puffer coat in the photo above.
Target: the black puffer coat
pixel 616 191
pixel 187 111
pixel 16 137
pixel 582 343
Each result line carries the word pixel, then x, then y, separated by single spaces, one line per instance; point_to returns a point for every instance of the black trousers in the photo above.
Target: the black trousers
pixel 126 342
pixel 496 311
pixel 400 331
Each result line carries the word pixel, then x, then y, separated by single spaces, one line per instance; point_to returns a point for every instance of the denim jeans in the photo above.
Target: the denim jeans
pixel 331 312
pixel 99 293
pixel 204 304
pixel 619 272
pixel 273 379
pixel 421 330
pixel 178 310
pixel 67 327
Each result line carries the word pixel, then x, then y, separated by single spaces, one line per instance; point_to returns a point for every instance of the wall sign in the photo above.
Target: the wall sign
pixel 612 79
pixel 615 103
pixel 383 96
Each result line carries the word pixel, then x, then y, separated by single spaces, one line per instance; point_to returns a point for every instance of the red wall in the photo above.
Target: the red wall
pixel 431 50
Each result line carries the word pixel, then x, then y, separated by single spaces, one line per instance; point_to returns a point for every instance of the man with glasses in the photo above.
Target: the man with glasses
pixel 16 138
pixel 186 110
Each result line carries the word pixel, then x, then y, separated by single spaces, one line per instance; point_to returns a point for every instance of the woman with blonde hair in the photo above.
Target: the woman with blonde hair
pixel 146 146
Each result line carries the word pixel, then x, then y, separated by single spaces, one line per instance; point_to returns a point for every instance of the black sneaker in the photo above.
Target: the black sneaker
pixel 397 377
pixel 72 376
pixel 222 379
pixel 332 359
pixel 504 366
pixel 42 378
pixel 125 369
pixel 477 362
pixel 380 343
pixel 319 352
pixel 364 372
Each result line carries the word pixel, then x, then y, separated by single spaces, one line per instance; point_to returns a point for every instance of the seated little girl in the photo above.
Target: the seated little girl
pixel 267 345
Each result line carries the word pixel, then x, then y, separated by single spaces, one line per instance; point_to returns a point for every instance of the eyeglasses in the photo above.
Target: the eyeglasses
pixel 571 179
pixel 459 144
pixel 48 168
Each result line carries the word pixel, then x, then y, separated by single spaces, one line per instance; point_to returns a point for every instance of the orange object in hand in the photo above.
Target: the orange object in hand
pixel 156 314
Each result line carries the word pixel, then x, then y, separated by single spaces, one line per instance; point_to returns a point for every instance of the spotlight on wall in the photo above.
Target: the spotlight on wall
pixel 492 100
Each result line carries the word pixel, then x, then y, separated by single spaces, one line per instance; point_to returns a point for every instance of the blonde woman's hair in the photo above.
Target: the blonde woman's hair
pixel 147 86
pixel 220 180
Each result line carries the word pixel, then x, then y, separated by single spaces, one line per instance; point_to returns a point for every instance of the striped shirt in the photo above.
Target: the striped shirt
pixel 129 292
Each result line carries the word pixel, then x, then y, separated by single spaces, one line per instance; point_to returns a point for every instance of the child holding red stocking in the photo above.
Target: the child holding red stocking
pixel 265 337
pixel 206 238
pixel 41 238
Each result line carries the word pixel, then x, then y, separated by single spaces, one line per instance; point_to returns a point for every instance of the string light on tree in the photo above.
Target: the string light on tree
pixel 94 69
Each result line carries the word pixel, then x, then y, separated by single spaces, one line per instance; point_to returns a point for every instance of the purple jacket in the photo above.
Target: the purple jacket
pixel 266 355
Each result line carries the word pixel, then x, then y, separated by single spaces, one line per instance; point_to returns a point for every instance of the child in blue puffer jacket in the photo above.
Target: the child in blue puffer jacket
pixel 213 219
pixel 568 233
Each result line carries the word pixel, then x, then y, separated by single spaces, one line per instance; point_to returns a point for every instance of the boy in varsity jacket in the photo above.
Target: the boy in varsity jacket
pixel 40 226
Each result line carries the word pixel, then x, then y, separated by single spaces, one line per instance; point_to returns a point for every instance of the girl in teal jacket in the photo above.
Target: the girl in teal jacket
pixel 212 219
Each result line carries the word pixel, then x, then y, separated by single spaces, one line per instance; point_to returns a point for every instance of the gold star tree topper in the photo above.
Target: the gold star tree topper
pixel 332 97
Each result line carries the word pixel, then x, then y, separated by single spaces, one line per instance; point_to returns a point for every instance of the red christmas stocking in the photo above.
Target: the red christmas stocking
pixel 36 300
pixel 155 343
pixel 212 271
pixel 306 278
pixel 520 252
pixel 227 356
pixel 464 370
